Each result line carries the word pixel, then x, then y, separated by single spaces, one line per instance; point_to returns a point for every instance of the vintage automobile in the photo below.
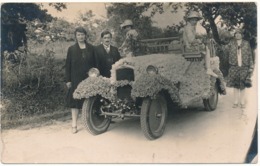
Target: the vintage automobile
pixel 143 86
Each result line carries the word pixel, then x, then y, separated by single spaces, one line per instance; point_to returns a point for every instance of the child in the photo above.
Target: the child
pixel 129 46
pixel 189 38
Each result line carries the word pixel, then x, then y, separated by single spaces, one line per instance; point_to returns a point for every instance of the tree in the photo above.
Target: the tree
pixel 118 12
pixel 14 21
pixel 17 12
pixel 231 15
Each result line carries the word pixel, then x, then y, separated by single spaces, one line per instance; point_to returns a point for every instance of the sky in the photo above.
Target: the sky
pixel 98 8
pixel 73 10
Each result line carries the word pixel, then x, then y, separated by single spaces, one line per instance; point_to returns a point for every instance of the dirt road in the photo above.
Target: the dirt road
pixel 191 136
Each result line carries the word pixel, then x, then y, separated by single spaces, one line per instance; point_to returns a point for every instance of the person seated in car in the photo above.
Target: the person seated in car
pixel 129 48
pixel 190 40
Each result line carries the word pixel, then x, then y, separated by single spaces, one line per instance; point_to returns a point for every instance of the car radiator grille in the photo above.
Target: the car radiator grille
pixel 125 91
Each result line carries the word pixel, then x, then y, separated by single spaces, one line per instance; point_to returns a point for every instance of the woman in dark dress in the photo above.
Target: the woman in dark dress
pixel 241 67
pixel 80 58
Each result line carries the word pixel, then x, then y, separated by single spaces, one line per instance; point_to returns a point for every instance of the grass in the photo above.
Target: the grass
pixel 44 108
pixel 60 48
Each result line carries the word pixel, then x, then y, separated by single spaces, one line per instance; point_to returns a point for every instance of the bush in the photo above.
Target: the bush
pixel 32 84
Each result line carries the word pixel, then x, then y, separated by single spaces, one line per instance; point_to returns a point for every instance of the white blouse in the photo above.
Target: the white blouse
pixel 239 54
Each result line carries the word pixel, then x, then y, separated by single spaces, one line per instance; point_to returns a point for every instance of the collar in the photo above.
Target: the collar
pixel 105 46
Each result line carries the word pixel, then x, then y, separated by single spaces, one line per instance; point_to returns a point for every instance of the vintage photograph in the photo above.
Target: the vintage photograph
pixel 129 83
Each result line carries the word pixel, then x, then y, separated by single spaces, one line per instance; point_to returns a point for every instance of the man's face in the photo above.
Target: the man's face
pixel 80 36
pixel 106 39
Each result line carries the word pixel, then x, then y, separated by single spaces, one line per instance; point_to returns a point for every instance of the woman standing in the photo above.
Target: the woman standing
pixel 80 58
pixel 241 67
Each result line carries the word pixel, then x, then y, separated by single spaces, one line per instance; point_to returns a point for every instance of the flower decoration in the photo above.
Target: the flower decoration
pixel 185 81
pixel 93 86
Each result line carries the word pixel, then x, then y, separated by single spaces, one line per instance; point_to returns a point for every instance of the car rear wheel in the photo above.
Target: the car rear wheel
pixel 153 117
pixel 211 103
pixel 94 122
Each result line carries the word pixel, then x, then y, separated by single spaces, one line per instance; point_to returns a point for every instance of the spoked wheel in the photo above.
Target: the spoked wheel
pixel 153 117
pixel 92 118
pixel 211 103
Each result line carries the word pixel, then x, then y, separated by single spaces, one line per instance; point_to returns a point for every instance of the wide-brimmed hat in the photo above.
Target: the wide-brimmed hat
pixel 126 23
pixel 194 14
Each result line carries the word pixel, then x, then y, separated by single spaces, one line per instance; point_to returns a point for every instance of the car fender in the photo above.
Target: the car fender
pixel 93 86
pixel 149 85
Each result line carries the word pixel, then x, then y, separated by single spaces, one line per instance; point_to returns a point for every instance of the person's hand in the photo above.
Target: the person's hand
pixel 68 84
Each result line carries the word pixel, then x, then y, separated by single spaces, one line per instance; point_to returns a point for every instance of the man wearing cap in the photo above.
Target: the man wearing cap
pixel 129 46
pixel 106 54
pixel 189 38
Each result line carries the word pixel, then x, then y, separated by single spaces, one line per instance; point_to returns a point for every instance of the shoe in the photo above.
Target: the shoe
pixel 210 72
pixel 74 130
pixel 223 91
pixel 235 105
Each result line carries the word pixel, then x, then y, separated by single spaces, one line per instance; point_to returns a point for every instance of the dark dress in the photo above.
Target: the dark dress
pixel 238 74
pixel 106 60
pixel 78 63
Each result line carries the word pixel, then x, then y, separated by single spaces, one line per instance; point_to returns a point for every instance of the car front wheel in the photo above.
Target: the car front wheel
pixel 153 116
pixel 93 120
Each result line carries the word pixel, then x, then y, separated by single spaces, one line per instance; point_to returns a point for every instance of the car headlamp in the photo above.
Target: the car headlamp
pixel 152 69
pixel 93 72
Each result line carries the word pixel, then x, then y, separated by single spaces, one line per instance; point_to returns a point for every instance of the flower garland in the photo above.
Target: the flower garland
pixel 93 86
pixel 151 85
pixel 173 69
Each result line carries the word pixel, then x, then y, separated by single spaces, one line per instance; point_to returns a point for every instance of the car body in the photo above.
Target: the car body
pixel 143 86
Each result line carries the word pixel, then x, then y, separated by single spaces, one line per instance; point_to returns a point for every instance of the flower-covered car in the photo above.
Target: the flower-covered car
pixel 143 86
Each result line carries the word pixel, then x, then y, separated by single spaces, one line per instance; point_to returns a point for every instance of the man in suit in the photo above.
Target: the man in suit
pixel 106 54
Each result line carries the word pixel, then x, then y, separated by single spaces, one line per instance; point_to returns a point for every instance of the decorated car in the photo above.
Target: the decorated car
pixel 143 86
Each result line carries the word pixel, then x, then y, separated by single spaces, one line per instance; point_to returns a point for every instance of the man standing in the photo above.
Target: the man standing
pixel 106 54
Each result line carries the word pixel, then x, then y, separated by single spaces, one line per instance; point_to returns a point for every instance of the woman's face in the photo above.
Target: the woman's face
pixel 80 36
pixel 127 28
pixel 238 36
pixel 193 21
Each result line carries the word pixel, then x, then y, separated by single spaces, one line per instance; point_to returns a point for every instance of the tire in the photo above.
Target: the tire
pixel 211 103
pixel 92 120
pixel 153 117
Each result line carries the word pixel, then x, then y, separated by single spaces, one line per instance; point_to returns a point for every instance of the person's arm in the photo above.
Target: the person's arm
pixel 117 55
pixel 185 37
pixel 125 41
pixel 68 69
pixel 250 57
pixel 96 58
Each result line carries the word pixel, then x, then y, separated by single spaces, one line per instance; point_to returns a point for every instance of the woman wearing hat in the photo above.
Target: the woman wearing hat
pixel 241 67
pixel 129 46
pixel 189 37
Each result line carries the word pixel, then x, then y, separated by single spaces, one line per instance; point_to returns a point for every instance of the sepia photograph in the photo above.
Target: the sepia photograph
pixel 129 82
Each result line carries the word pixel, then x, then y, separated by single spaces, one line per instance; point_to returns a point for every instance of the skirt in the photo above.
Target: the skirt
pixel 237 77
pixel 71 102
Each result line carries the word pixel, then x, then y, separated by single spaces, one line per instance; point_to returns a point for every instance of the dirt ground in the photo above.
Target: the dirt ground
pixel 191 136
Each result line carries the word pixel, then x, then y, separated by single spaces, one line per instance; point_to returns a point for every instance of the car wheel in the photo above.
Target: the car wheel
pixel 211 103
pixel 153 117
pixel 92 118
